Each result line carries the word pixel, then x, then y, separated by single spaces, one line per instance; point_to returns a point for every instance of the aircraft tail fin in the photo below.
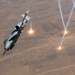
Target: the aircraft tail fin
pixel 24 15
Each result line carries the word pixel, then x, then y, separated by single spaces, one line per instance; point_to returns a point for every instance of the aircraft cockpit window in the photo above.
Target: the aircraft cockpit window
pixel 17 28
pixel 13 38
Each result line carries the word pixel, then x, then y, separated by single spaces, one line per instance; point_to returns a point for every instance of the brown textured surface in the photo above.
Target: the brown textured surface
pixel 37 54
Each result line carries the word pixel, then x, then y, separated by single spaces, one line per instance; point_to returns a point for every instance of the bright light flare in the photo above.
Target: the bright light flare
pixel 31 31
pixel 59 48
pixel 65 32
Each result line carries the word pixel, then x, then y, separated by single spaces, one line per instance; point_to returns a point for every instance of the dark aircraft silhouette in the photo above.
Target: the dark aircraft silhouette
pixel 12 39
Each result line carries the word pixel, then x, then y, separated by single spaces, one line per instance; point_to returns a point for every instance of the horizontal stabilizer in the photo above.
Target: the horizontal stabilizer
pixel 23 15
pixel 27 12
pixel 27 18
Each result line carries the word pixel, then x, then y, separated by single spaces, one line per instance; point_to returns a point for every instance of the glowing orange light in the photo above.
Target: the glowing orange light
pixel 65 32
pixel 31 31
pixel 59 48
